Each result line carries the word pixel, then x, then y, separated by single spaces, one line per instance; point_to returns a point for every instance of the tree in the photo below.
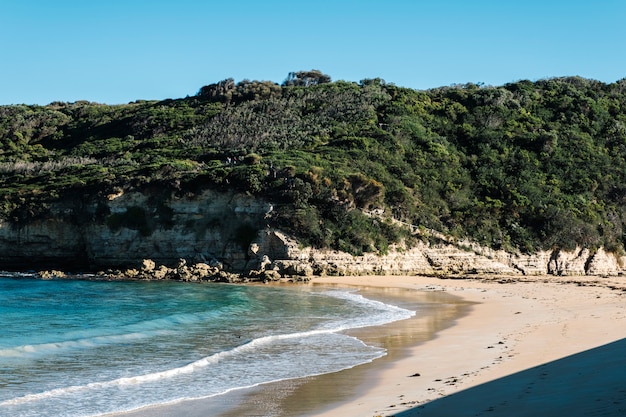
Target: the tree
pixel 306 78
pixel 221 91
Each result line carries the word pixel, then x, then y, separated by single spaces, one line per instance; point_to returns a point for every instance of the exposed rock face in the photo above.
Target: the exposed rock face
pixel 49 243
pixel 222 233
pixel 125 228
pixel 563 263
pixel 603 263
pixel 426 259
pixel 440 259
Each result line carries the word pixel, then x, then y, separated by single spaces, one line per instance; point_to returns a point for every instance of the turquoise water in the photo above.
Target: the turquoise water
pixel 86 348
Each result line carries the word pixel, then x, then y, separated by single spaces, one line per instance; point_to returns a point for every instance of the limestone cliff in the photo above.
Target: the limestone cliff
pixel 126 228
pixel 433 259
pixel 231 230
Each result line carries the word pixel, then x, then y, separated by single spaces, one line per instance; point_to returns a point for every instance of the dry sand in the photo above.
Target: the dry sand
pixel 543 346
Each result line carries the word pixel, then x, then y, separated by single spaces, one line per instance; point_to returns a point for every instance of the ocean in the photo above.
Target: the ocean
pixel 88 347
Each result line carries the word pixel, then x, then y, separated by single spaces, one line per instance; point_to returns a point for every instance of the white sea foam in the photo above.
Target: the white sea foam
pixel 155 376
pixel 379 313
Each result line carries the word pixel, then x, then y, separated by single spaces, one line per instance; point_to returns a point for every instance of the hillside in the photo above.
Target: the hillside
pixel 523 167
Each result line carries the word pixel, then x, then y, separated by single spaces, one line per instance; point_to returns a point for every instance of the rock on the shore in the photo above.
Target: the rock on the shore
pixel 51 274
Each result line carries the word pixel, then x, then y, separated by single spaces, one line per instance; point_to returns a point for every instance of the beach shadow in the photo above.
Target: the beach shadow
pixel 591 383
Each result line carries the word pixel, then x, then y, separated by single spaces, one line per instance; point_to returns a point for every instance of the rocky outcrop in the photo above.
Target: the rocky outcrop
pixel 181 272
pixel 209 226
pixel 604 264
pixel 218 234
pixel 426 259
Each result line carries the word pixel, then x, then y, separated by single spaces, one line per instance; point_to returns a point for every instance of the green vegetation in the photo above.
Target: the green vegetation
pixel 524 166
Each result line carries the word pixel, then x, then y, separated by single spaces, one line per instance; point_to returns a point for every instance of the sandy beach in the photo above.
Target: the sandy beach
pixel 530 346
pixel 513 346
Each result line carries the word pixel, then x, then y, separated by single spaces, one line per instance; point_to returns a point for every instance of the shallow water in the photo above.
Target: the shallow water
pixel 85 348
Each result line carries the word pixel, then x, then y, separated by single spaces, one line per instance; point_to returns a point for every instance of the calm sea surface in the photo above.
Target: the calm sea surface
pixel 86 348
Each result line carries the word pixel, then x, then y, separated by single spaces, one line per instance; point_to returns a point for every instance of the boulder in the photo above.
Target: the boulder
pixel 293 267
pixel 147 265
pixel 161 272
pixel 270 275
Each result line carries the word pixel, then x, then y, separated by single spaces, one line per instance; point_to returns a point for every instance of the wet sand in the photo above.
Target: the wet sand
pixel 513 346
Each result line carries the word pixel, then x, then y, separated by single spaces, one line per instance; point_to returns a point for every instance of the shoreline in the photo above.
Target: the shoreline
pixel 301 396
pixel 313 395
pixel 515 324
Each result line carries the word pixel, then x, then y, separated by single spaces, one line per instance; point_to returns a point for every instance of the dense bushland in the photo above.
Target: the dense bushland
pixel 524 166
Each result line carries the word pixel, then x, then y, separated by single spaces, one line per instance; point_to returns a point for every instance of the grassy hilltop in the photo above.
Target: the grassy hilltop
pixel 522 167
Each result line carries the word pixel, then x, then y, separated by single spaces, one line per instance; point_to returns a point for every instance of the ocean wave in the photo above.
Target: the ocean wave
pixel 387 313
pixel 84 339
pixel 379 313
pixel 35 350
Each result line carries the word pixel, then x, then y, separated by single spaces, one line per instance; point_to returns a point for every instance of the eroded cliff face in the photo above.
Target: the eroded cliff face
pixel 231 230
pixel 440 259
pixel 209 227
pixel 123 229
pixel 50 242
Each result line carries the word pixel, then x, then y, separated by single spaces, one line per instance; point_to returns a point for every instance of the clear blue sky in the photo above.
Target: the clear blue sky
pixel 116 51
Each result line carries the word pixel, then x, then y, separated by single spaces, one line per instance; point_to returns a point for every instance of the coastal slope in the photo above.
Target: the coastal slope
pixel 528 176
